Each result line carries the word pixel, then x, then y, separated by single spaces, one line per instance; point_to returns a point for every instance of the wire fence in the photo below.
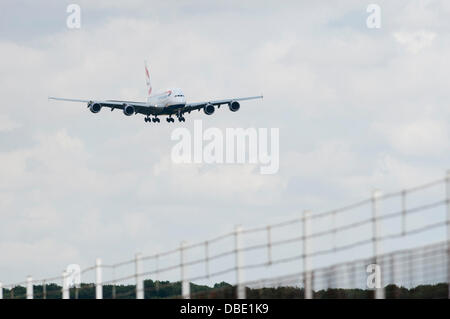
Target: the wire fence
pixel 386 246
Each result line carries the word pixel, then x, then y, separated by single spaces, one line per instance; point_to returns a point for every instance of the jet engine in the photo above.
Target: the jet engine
pixel 209 109
pixel 128 110
pixel 95 107
pixel 234 106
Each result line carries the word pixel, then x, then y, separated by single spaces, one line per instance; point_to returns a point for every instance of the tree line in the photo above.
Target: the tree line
pixel 166 289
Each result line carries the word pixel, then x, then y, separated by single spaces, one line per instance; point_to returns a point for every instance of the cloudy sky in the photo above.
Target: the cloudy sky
pixel 357 109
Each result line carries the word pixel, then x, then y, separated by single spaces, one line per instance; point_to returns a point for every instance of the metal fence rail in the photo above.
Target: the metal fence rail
pixel 397 232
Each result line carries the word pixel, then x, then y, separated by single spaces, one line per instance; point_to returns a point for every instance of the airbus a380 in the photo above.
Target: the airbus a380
pixel 172 102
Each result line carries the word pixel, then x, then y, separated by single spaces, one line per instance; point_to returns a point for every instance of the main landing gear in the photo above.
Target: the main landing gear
pixel 149 119
pixel 169 119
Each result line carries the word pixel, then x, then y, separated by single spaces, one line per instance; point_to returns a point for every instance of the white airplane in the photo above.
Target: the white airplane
pixel 171 102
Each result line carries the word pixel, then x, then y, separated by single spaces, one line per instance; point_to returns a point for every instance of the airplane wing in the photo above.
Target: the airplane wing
pixel 196 106
pixel 139 107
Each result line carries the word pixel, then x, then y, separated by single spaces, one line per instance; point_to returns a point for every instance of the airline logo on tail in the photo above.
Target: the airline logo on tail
pixel 147 79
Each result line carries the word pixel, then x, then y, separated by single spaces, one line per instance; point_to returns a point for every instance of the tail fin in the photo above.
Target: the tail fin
pixel 147 80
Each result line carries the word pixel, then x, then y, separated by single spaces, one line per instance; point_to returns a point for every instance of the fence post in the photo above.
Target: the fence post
pixel 307 274
pixel 333 216
pixel 241 293
pixel 1 290
pixel 65 289
pixel 157 272
pixel 139 281
pixel 185 287
pixel 113 293
pixel 98 279
pixel 44 290
pixel 392 281
pixel 403 213
pixel 29 287
pixel 207 259
pixel 447 186
pixel 379 292
pixel 269 246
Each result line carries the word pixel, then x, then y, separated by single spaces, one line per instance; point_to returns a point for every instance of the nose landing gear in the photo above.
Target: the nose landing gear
pixel 180 116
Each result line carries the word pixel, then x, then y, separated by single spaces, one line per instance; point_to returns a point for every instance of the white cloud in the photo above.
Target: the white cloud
pixel 214 184
pixel 415 41
pixel 423 137
pixel 7 124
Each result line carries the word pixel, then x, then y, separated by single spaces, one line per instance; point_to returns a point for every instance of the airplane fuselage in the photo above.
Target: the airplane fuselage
pixel 169 102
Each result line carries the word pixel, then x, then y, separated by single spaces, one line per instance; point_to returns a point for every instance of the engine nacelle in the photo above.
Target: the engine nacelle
pixel 128 110
pixel 95 107
pixel 234 106
pixel 209 109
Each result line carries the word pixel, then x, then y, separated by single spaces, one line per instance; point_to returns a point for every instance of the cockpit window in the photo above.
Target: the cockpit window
pixel 179 95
